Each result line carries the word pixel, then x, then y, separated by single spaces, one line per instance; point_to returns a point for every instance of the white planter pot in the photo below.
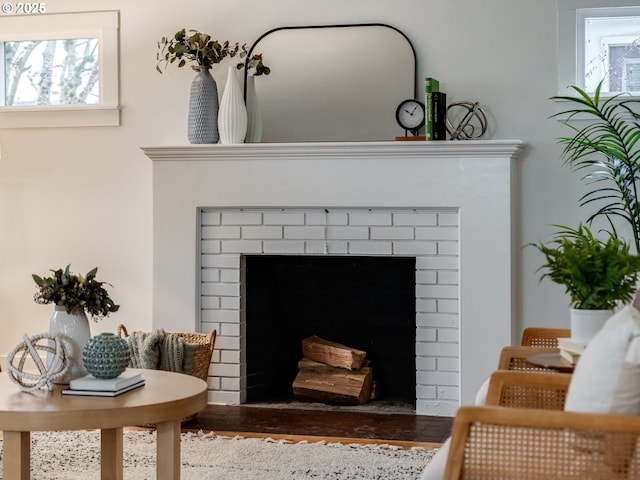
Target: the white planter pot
pixel 73 328
pixel 586 323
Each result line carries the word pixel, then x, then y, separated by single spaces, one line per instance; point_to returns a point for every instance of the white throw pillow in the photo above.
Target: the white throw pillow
pixel 438 464
pixel 607 376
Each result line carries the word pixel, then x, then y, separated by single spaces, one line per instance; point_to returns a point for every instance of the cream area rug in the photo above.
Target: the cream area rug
pixel 76 455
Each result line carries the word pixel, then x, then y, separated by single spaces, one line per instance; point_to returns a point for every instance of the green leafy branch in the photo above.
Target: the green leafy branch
pixel 72 291
pixel 607 149
pixel 596 274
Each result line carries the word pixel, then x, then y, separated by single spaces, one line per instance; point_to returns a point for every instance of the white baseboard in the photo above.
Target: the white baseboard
pixel 29 364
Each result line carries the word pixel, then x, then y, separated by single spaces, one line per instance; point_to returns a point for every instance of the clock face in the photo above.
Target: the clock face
pixel 410 114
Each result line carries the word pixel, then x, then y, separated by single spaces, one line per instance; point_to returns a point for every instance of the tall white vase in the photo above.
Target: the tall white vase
pixel 74 332
pixel 232 115
pixel 586 323
pixel 254 114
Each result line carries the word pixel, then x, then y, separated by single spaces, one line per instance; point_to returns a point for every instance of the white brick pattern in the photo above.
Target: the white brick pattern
pixel 430 235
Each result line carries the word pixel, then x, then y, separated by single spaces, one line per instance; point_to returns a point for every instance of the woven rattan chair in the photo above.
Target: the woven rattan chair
pixel 514 357
pixel 528 390
pixel 204 349
pixel 543 337
pixel 491 443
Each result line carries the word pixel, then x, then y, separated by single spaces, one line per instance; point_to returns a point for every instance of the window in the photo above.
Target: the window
pixel 59 70
pixel 599 43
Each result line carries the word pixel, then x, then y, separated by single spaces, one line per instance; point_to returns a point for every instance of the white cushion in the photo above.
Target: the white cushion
pixel 481 396
pixel 607 376
pixel 438 464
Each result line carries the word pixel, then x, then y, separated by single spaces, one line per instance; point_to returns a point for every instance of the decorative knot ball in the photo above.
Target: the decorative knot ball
pixel 106 355
pixel 55 369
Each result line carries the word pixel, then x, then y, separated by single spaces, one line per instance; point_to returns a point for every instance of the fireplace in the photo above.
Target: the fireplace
pixel 364 302
pixel 445 205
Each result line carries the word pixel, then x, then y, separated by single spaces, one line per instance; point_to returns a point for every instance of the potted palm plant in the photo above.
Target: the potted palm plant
pixel 605 147
pixel 598 275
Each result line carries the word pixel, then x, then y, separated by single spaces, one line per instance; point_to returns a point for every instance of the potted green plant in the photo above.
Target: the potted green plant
pixel 605 147
pixel 598 275
pixel 74 296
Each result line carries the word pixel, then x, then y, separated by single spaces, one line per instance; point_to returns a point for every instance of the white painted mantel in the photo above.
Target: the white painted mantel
pixel 474 178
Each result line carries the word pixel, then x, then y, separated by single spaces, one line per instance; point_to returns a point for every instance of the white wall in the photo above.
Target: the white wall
pixel 83 195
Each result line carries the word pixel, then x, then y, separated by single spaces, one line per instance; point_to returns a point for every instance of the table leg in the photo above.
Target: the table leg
pixel 17 455
pixel 111 454
pixel 168 450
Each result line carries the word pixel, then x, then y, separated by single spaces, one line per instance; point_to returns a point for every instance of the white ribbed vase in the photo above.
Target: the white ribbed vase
pixel 254 114
pixel 232 115
pixel 73 328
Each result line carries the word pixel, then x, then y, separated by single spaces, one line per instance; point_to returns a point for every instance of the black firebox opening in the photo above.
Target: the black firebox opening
pixel 363 302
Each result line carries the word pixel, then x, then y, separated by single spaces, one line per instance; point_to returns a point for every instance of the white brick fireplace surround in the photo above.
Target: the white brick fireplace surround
pixel 448 204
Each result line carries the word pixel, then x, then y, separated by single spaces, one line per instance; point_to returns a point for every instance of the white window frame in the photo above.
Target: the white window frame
pixel 571 35
pixel 104 26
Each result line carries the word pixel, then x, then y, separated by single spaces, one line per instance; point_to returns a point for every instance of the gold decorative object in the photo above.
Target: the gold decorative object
pixel 28 381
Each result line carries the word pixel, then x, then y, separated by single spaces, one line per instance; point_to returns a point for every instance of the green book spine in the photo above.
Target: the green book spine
pixel 430 85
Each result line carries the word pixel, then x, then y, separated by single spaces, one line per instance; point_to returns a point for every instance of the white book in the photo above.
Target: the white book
pixel 571 345
pixel 570 357
pixel 103 393
pixel 89 382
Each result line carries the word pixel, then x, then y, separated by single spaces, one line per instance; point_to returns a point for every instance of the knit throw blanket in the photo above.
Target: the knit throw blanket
pixel 156 349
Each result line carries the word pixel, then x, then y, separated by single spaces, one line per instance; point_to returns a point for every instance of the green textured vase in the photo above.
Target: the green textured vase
pixel 106 355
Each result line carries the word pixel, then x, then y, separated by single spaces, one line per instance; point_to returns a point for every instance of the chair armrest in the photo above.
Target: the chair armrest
pixel 528 389
pixel 514 443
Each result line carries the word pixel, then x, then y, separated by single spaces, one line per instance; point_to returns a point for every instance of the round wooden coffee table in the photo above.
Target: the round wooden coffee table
pixel 164 400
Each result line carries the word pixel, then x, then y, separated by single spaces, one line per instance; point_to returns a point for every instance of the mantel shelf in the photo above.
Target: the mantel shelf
pixel 334 150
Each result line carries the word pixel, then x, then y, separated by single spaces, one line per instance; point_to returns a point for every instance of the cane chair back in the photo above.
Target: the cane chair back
pixel 491 443
pixel 528 390
pixel 543 337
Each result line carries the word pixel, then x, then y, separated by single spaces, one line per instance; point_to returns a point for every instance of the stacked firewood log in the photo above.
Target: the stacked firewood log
pixel 332 373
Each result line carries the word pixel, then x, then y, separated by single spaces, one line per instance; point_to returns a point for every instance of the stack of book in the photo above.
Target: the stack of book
pixel 105 387
pixel 570 349
pixel 435 104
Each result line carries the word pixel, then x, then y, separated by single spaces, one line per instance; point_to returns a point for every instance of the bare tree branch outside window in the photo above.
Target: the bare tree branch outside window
pixel 52 72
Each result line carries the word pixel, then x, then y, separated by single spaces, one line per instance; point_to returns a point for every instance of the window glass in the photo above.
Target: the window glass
pixel 51 72
pixel 611 45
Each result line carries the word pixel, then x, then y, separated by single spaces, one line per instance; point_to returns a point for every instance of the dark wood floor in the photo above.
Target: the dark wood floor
pixel 322 423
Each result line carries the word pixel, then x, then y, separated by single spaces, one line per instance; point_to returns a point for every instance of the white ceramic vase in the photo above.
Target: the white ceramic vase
pixel 586 323
pixel 254 114
pixel 232 115
pixel 74 332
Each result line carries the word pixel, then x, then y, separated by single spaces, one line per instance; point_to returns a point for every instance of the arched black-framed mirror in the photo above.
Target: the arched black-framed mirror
pixel 334 82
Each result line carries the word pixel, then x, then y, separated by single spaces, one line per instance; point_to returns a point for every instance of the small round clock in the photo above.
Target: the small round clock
pixel 410 115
